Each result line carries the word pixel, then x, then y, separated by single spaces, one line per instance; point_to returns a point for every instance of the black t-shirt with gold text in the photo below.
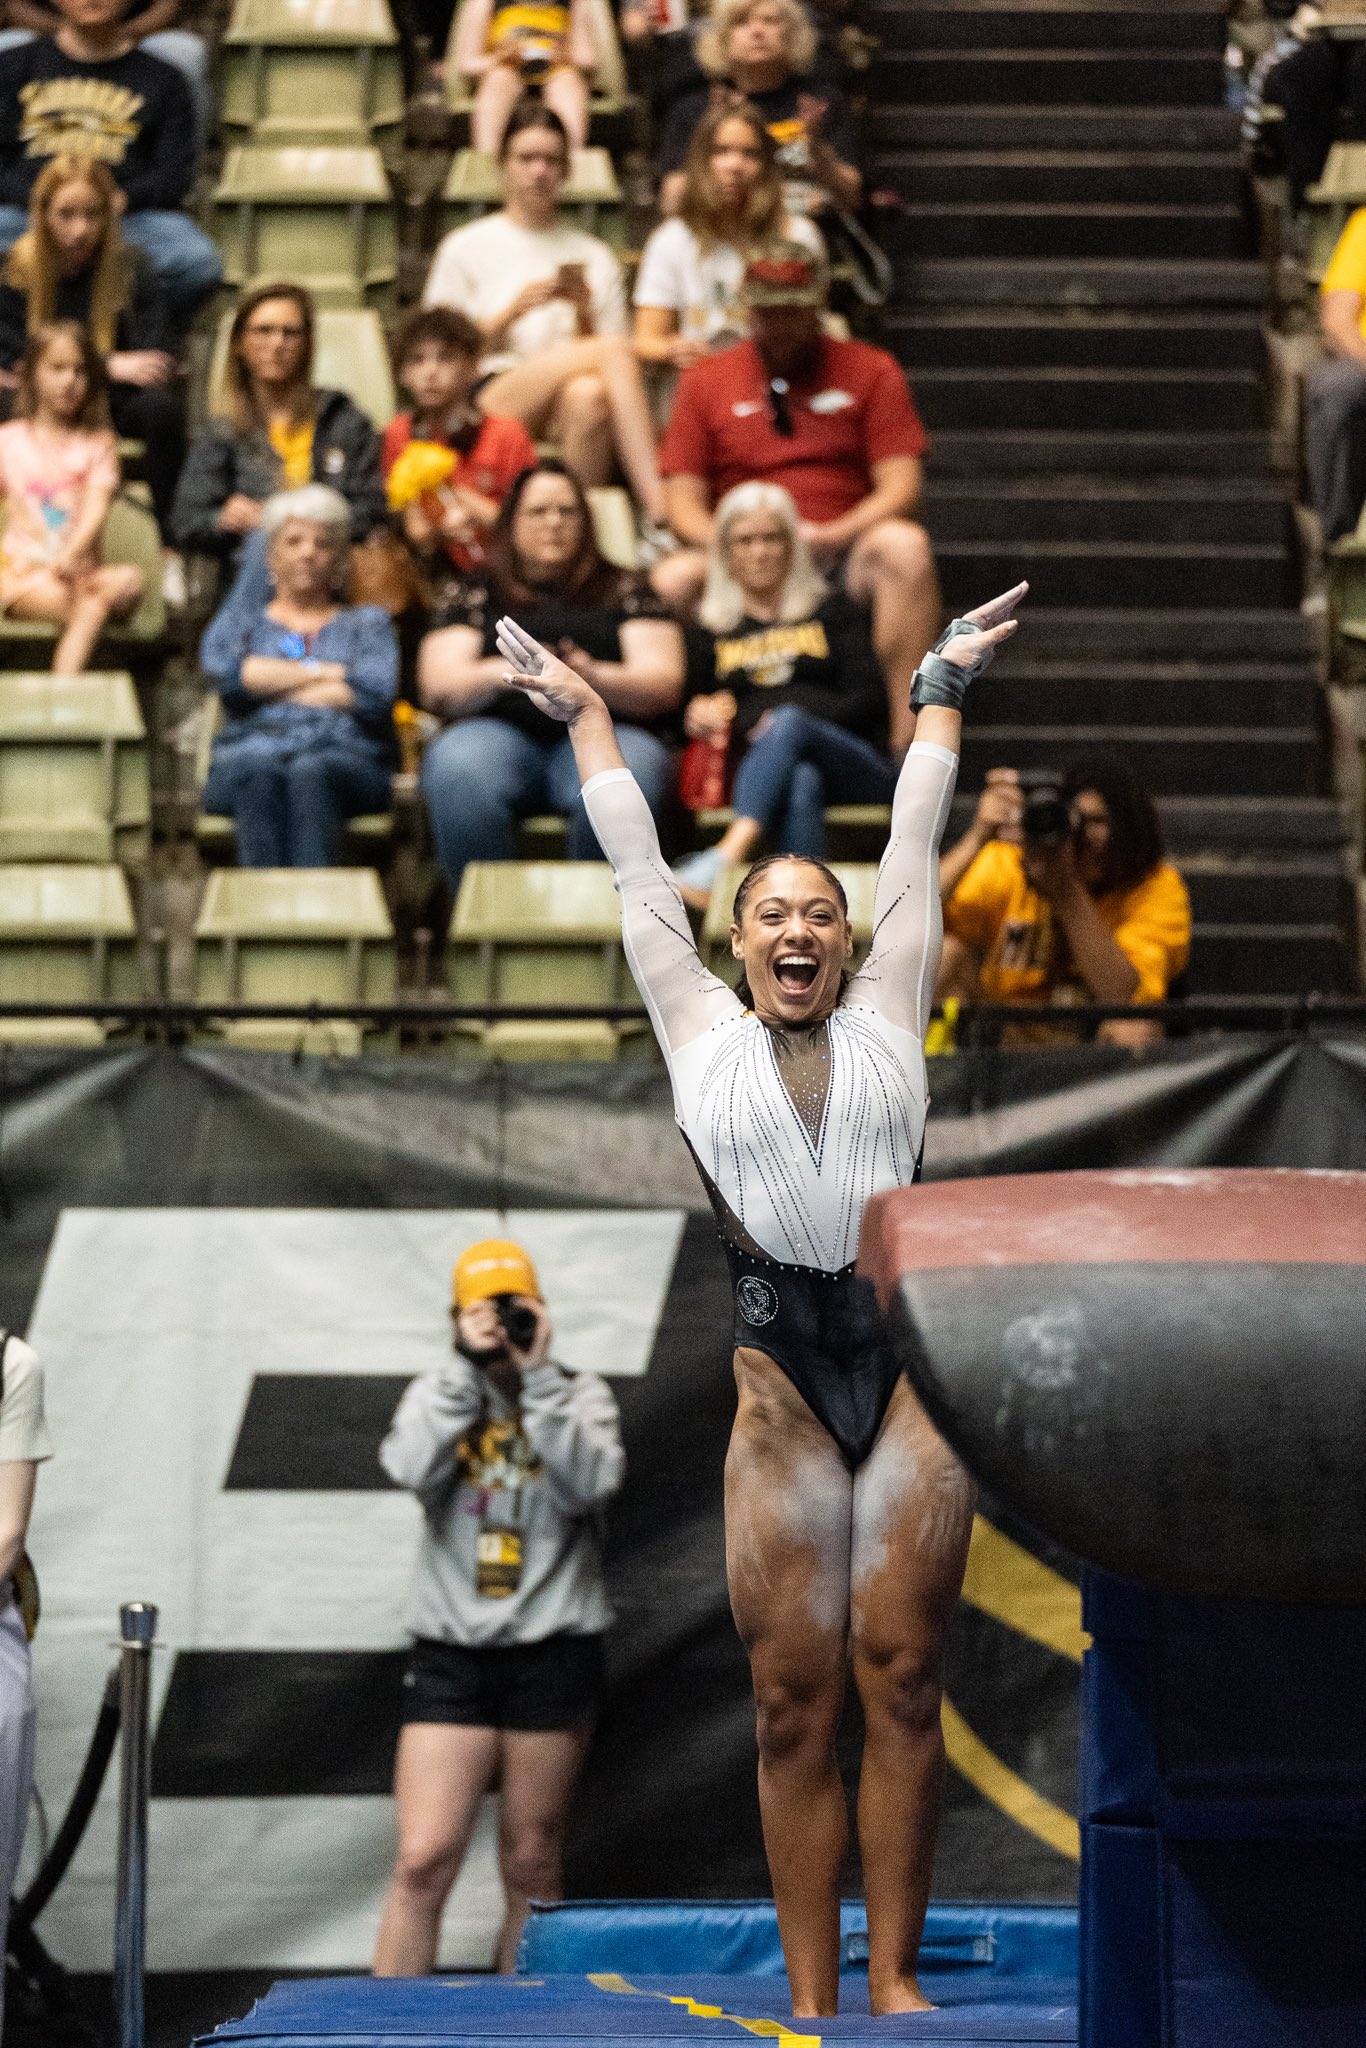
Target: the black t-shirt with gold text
pixel 132 113
pixel 826 664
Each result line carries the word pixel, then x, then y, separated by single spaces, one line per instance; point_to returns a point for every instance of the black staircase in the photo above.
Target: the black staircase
pixel 1079 311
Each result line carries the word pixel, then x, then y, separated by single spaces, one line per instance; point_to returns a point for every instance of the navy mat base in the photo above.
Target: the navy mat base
pixel 618 2011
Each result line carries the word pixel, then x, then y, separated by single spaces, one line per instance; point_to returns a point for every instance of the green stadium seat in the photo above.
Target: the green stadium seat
pixel 859 879
pixel 131 534
pixel 367 836
pixel 323 217
pixel 67 935
pixel 543 935
pixel 320 71
pixel 1330 203
pixel 591 198
pixel 608 91
pixel 294 935
pixel 854 832
pixel 73 769
pixel 350 354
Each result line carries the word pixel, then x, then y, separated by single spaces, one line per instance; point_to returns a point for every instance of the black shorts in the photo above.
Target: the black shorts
pixel 557 1683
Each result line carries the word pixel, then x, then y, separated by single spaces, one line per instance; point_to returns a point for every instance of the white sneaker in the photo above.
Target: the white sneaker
pixel 175 591
pixel 699 870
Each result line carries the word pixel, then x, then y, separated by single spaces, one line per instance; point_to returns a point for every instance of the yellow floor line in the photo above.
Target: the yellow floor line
pixel 1004 1788
pixel 1006 1582
pixel 774 2030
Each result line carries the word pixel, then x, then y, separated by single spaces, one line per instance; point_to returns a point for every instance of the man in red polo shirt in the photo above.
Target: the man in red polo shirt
pixel 833 423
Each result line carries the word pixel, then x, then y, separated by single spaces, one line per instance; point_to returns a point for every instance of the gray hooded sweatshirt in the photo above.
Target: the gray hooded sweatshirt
pixel 543 1468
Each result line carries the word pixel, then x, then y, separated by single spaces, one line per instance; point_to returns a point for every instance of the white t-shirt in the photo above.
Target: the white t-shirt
pixel 481 268
pixel 704 288
pixel 23 1430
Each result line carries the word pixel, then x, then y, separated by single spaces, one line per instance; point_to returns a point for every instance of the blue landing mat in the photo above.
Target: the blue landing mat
pixel 636 2011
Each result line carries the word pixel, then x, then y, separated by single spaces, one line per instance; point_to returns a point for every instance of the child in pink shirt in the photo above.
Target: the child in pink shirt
pixel 59 470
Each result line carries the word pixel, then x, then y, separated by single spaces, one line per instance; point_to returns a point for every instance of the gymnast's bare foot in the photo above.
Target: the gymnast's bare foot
pixel 898 1994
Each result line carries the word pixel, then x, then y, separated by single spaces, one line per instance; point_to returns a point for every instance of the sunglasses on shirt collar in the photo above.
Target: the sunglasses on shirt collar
pixel 779 411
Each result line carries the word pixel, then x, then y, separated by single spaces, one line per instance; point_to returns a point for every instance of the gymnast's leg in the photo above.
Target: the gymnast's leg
pixel 788 1503
pixel 912 1521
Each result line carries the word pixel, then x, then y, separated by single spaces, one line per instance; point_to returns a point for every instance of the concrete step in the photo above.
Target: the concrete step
pixel 1088 401
pixel 1064 573
pixel 1175 760
pixel 1268 892
pixel 1075 282
pixel 1136 693
pixel 1201 510
pixel 942 233
pixel 1162 635
pixel 1014 453
pixel 1016 24
pixel 1051 77
pixel 1227 827
pixel 1063 177
pixel 974 126
pixel 1048 338
pixel 1270 959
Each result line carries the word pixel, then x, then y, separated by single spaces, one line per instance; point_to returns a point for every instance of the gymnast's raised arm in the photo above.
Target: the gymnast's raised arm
pixel 897 978
pixel 683 997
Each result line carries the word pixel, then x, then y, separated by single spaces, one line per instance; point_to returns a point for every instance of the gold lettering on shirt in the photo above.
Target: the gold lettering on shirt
pixel 769 657
pixel 78 117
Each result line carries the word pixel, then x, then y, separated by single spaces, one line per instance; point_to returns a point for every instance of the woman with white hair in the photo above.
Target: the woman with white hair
pixel 763 51
pixel 308 684
pixel 784 674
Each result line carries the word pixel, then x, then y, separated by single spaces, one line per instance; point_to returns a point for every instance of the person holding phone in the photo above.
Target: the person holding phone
pixel 513 1460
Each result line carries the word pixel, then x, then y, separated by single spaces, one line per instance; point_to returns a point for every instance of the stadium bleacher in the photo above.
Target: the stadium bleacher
pixel 1080 303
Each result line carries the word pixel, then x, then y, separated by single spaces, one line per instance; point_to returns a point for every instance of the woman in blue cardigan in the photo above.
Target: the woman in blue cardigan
pixel 308 686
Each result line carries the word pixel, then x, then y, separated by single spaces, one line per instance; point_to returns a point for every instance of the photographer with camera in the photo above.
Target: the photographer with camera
pixel 513 1460
pixel 1059 893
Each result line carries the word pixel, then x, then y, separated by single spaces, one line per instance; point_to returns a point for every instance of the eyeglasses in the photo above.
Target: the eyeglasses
pixel 779 410
pixel 255 333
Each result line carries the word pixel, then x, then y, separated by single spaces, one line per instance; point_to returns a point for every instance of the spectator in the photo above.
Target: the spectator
pixel 436 356
pixel 760 50
pixel 59 471
pixel 1335 391
pixel 512 1460
pixel 1095 915
pixel 72 263
pixel 1306 75
pixel 308 684
pixel 151 28
pixel 785 668
pixel 657 36
pixel 499 760
pixel 506 46
pixel 88 90
pixel 279 433
pixel 550 304
pixel 24 1445
pixel 833 423
pixel 688 288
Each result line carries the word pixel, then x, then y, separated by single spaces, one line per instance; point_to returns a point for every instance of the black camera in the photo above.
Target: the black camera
pixel 1046 816
pixel 518 1321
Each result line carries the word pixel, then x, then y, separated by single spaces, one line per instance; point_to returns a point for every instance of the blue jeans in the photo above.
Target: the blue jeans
pixel 481 775
pixel 183 257
pixel 291 804
pixel 800 764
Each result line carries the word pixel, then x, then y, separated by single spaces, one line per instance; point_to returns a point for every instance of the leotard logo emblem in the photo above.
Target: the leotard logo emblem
pixel 758 1302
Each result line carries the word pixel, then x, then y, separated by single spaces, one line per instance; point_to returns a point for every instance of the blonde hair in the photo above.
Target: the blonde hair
pixel 804 588
pixel 701 207
pixel 728 14
pixel 32 267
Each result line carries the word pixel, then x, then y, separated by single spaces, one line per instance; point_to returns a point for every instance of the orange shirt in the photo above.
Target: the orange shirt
pixel 996 912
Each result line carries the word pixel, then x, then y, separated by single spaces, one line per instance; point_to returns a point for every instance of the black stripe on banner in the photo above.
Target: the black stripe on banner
pixel 278 1724
pixel 314 1432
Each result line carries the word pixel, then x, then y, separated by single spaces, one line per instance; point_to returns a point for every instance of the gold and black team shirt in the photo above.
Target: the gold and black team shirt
pixel 825 664
pixel 132 113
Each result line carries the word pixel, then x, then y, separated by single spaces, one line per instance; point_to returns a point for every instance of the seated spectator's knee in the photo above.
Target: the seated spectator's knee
pixel 897 551
pixel 583 404
pixel 679 579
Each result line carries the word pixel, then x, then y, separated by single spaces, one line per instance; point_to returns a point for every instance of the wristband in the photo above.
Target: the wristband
pixel 937 681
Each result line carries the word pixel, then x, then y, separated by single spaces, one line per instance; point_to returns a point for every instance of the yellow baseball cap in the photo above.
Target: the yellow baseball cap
pixel 493 1266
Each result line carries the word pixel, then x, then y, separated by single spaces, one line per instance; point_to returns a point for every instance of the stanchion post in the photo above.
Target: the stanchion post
pixel 137 1633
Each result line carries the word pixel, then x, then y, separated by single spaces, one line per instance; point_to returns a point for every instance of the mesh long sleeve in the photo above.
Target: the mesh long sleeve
pixel 897 979
pixel 683 997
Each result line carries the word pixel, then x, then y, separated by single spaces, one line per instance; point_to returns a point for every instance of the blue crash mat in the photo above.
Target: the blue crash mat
pixel 622 2011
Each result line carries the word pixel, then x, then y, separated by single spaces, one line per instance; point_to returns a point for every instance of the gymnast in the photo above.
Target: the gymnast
pixel 801 1094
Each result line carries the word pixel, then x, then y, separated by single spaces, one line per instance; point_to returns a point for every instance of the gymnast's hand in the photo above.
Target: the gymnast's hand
pixel 990 623
pixel 551 684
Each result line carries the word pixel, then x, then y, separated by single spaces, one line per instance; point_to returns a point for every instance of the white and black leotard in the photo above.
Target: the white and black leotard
pixel 793 1132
